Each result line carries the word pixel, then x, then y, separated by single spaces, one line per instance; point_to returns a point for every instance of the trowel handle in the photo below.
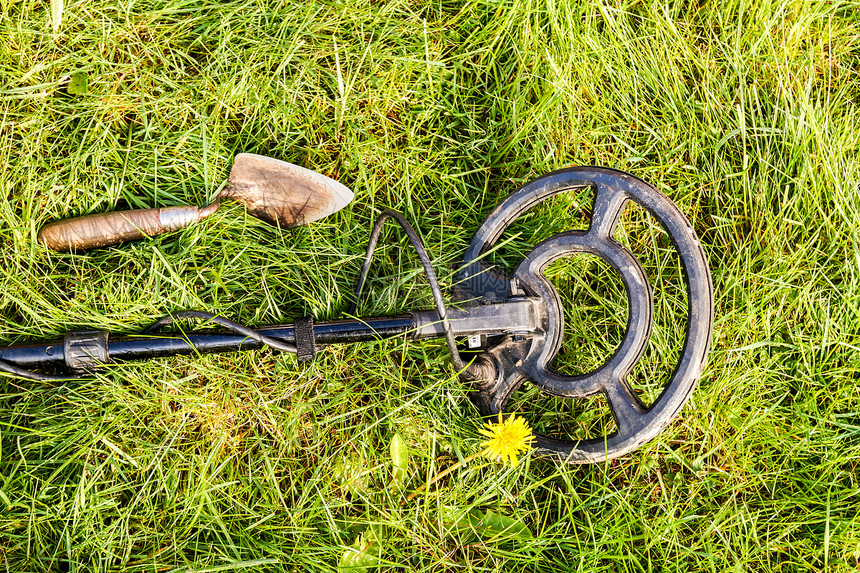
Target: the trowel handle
pixel 105 229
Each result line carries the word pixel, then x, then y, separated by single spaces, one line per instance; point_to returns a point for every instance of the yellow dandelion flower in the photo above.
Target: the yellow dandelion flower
pixel 507 439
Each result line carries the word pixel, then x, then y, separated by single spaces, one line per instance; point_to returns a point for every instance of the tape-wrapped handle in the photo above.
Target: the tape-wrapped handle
pixel 105 229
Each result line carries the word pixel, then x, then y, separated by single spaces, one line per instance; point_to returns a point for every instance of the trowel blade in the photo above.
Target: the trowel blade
pixel 281 193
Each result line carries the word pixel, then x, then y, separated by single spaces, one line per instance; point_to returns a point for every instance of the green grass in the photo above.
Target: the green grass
pixel 744 113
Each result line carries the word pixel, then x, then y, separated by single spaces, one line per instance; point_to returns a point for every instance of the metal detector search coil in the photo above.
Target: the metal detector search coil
pixel 519 318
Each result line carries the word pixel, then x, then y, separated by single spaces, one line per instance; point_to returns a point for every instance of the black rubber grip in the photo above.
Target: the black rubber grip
pixel 306 342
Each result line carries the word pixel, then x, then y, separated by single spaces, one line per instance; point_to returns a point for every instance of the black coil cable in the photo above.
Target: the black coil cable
pixel 10 368
pixel 226 323
pixel 458 362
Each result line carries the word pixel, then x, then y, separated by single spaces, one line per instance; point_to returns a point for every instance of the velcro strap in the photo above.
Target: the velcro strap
pixel 306 342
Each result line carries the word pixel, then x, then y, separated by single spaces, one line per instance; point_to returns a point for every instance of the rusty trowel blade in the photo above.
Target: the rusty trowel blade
pixel 281 193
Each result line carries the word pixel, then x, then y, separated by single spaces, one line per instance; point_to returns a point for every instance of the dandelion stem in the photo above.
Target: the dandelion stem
pixel 440 475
